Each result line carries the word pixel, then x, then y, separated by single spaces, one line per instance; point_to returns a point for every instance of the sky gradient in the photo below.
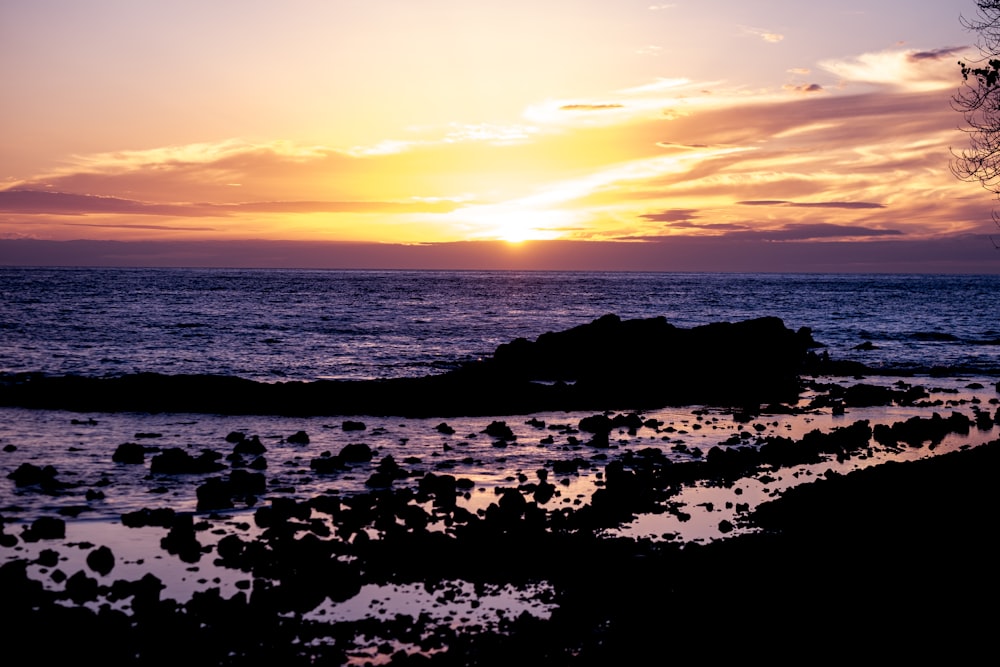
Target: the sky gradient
pixel 710 135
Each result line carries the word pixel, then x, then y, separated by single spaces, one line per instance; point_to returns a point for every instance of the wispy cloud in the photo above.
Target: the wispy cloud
pixel 821 204
pixel 805 88
pixel 905 69
pixel 766 35
pixel 590 107
pixel 33 202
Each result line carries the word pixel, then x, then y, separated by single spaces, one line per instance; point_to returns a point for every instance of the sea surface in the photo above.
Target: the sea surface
pixel 275 325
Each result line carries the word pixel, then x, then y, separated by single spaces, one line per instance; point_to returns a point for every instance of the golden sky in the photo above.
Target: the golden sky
pixel 445 120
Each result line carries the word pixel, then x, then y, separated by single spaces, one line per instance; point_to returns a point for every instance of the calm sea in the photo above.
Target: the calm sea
pixel 274 325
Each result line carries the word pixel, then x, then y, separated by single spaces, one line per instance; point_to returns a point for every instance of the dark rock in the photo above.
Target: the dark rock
pixel 252 446
pixel 499 429
pixel 298 438
pixel 353 426
pixel 646 363
pixel 444 428
pixel 48 557
pixel 181 541
pixel 101 560
pixel 356 453
pixel 163 517
pixel 44 528
pixel 176 461
pixel 865 346
pixel 129 452
pixel 80 588
pixel 235 437
pixel 325 465
pixel 595 424
pixel 28 474
pixel 215 494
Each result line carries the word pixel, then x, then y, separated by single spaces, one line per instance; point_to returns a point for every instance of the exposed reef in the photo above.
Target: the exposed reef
pixel 604 364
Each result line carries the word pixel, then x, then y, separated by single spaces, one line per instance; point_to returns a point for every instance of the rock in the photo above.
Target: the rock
pixel 80 588
pixel 181 541
pixel 353 426
pixel 129 452
pixel 444 428
pixel 298 438
pixel 865 346
pixel 500 430
pixel 645 363
pixel 356 453
pixel 252 446
pixel 325 465
pixel 215 494
pixel 45 528
pixel 176 461
pixel 101 560
pixel 28 474
pixel 595 424
pixel 163 517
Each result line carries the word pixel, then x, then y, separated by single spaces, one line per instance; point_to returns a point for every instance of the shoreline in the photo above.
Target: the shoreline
pixel 590 578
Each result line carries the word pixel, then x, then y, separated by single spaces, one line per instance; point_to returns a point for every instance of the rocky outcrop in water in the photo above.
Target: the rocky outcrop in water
pixel 607 363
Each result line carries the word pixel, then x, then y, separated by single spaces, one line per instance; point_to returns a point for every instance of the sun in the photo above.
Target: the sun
pixel 517 226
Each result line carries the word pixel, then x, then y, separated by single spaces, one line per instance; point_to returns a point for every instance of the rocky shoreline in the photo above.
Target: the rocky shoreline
pixel 893 560
pixel 602 365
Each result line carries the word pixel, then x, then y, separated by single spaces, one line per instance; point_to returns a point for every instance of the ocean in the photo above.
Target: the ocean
pixel 275 325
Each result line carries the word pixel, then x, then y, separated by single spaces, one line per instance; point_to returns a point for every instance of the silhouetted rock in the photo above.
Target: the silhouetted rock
pixel 44 528
pixel 298 438
pixel 176 461
pixel 129 452
pixel 606 363
pixel 356 453
pixel 251 446
pixel 101 560
pixel 163 517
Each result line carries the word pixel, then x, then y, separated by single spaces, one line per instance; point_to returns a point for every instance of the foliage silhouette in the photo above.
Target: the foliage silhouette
pixel 979 102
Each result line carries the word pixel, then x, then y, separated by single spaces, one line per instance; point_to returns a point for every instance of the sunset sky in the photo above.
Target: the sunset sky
pixel 461 128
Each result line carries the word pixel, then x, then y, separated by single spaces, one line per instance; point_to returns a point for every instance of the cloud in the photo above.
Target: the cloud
pixel 675 215
pixel 590 107
pixel 33 202
pixel 805 88
pixel 905 69
pixel 658 8
pixel 821 204
pixel 812 231
pixel 948 53
pixel 766 35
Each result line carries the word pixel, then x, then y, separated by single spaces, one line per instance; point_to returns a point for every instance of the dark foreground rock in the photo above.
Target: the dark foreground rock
pixel 895 561
pixel 608 363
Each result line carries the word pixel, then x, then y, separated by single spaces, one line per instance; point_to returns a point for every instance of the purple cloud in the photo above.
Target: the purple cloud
pixel 819 204
pixel 62 203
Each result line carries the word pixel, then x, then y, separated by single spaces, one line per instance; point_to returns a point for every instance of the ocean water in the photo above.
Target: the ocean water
pixel 274 325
